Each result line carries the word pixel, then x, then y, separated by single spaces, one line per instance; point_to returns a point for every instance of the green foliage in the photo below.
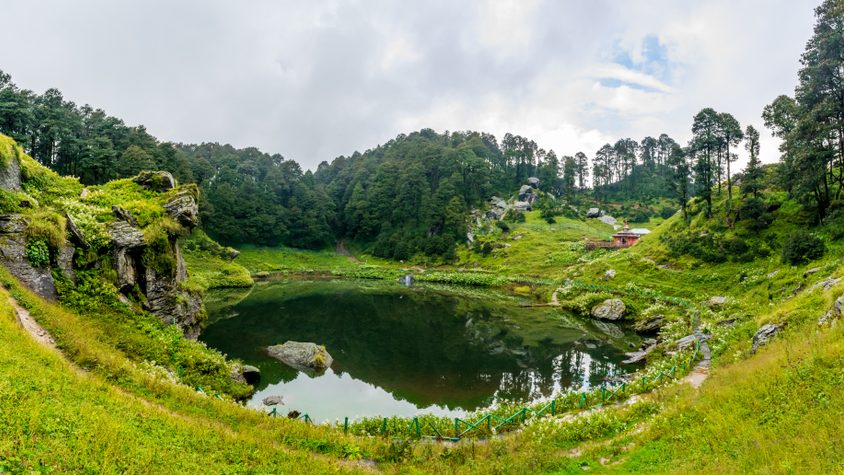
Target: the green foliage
pixel 48 227
pixel 37 253
pixel 514 216
pixel 801 247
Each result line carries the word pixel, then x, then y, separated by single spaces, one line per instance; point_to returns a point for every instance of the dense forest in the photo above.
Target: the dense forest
pixel 414 193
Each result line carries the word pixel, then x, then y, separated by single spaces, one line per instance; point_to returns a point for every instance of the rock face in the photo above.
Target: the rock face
pixel 159 181
pixel 610 309
pixel 183 208
pixel 13 256
pixel 165 297
pixel 301 355
pixel 10 175
pixel 765 334
pixel 593 213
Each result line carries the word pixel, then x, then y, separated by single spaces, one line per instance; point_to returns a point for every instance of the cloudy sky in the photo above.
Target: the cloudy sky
pixel 316 79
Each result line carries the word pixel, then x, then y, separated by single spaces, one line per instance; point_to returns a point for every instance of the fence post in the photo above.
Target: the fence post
pixel 384 426
pixel 456 428
pixel 603 393
pixel 418 430
pixel 582 399
pixel 553 407
pixel 346 425
pixel 488 419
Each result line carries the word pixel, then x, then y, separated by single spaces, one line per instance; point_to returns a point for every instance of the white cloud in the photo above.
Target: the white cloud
pixel 314 80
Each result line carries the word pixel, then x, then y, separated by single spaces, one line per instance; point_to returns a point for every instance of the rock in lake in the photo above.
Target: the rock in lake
pixel 274 400
pixel 610 309
pixel 301 355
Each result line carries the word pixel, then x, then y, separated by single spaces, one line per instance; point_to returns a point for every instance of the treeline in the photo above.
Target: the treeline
pixel 414 194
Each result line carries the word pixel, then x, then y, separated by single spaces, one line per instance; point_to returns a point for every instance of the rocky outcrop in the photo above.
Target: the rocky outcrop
pixel 13 256
pixel 10 175
pixel 165 296
pixel 765 334
pixel 158 181
pixel 650 324
pixel 301 355
pixel 126 242
pixel 533 182
pixel 172 304
pixel 610 309
pixel 183 208
pixel 594 213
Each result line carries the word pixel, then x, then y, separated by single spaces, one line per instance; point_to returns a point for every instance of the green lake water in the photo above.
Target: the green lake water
pixel 409 350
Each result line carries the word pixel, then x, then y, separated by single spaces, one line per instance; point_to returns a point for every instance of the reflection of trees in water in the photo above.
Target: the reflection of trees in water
pixel 571 369
pixel 422 347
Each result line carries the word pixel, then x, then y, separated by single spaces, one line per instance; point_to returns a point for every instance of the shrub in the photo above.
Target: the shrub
pixel 504 227
pixel 38 253
pixel 801 247
pixel 641 215
pixel 46 226
pixel 667 212
pixel 515 216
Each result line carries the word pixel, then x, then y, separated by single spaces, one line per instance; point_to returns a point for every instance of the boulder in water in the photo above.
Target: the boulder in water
pixel 303 356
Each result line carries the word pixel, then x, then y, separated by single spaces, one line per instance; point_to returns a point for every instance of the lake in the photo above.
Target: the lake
pixel 409 350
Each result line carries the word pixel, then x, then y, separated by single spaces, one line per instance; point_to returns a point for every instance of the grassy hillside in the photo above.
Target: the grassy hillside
pixel 123 395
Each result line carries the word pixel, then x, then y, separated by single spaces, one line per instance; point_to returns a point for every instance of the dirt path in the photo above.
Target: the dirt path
pixel 701 370
pixel 32 327
pixel 340 248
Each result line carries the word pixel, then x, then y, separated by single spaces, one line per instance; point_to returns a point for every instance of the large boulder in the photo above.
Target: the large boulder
pixel 765 334
pixel 183 208
pixel 593 213
pixel 302 355
pixel 533 182
pixel 159 181
pixel 610 309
